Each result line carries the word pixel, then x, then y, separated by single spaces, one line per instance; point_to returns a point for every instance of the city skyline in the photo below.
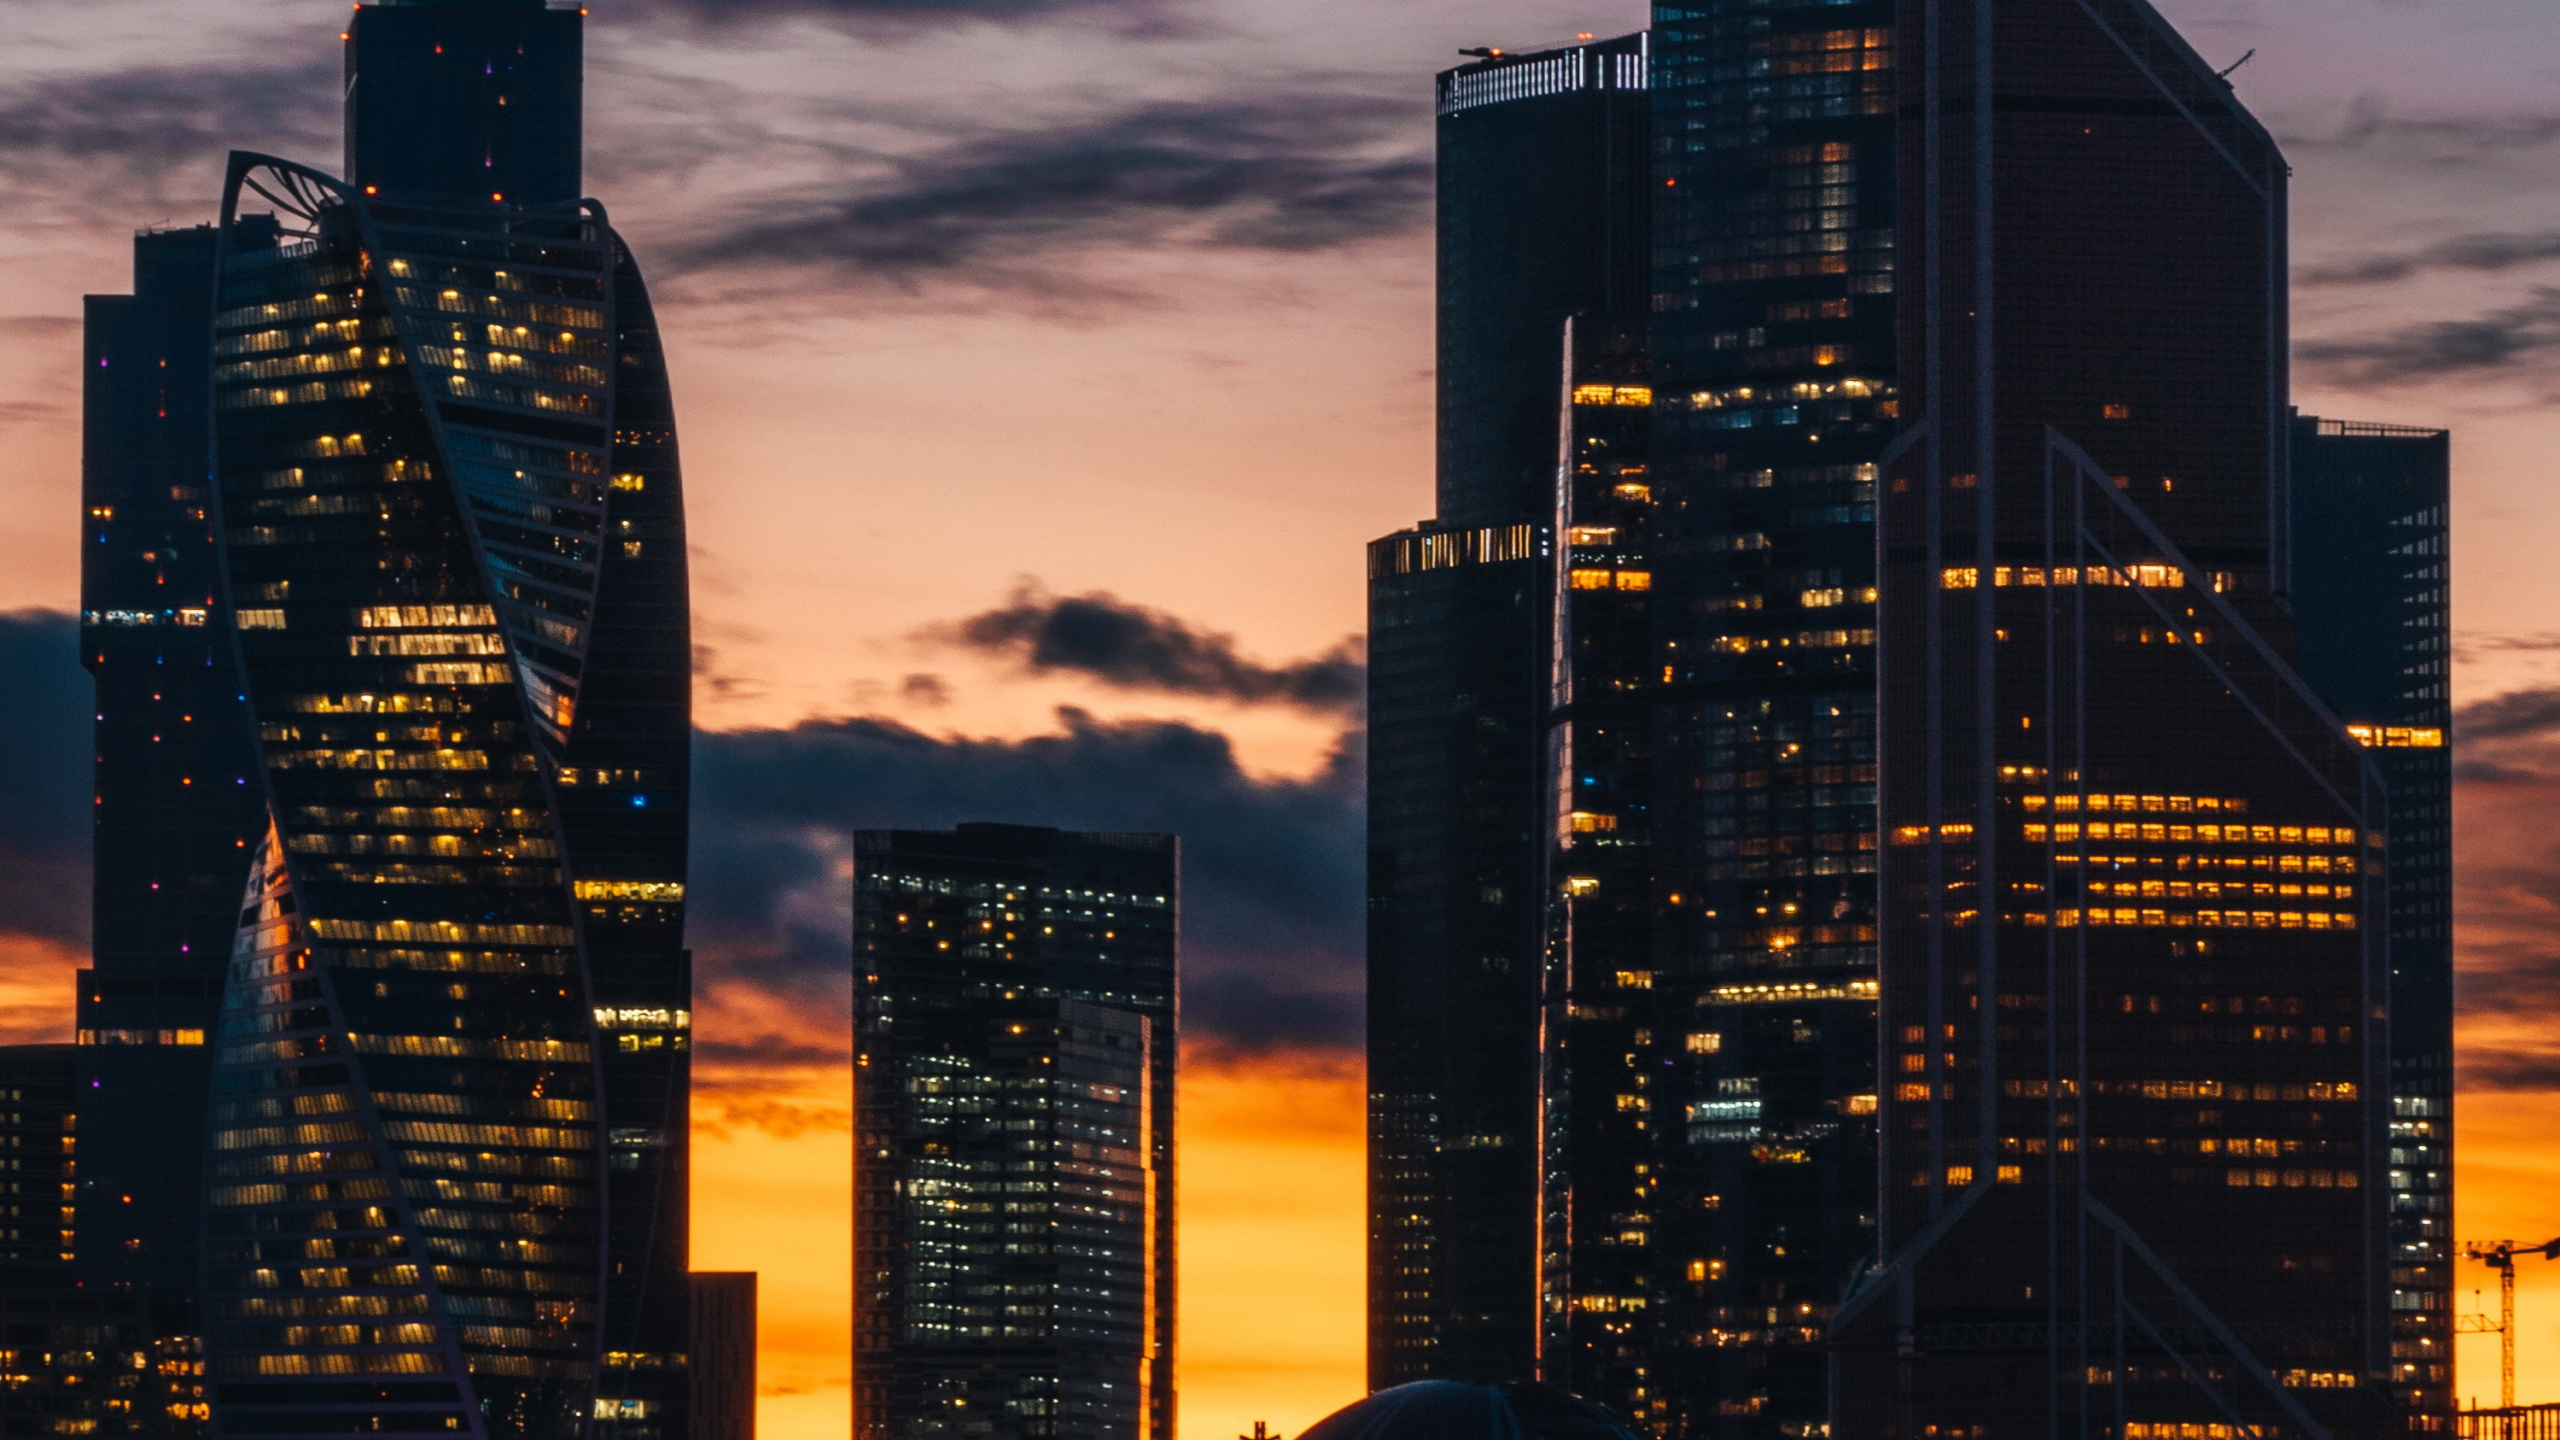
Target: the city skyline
pixel 981 636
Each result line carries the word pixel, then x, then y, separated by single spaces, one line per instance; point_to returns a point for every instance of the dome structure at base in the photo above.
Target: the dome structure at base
pixel 1456 1410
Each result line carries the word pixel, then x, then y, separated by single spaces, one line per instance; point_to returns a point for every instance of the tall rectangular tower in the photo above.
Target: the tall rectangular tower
pixel 177 810
pixel 1015 1044
pixel 1775 371
pixel 2134 999
pixel 2370 571
pixel 1542 217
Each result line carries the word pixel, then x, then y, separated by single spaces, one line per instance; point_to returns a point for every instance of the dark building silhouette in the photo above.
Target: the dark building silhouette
pixel 1772 341
pixel 724 1355
pixel 2370 589
pixel 462 101
pixel 1455 1410
pixel 41 1128
pixel 176 810
pixel 93 1362
pixel 1598 1015
pixel 1014 1027
pixel 1543 214
pixel 1542 217
pixel 458 1011
pixel 2134 995
pixel 2116 828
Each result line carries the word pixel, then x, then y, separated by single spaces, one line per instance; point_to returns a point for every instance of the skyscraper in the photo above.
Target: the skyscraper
pixel 176 810
pixel 1772 339
pixel 457 1016
pixel 724 1355
pixel 1014 1030
pixel 2369 575
pixel 1543 216
pixel 2134 998
pixel 2050 330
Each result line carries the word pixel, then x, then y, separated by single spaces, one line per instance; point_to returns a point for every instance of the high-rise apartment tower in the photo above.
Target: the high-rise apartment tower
pixel 1014 1049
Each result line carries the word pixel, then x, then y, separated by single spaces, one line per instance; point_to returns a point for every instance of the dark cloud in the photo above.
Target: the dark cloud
pixel 2485 253
pixel 2503 340
pixel 1271 868
pixel 2507 889
pixel 157 118
pixel 1296 173
pixel 1130 646
pixel 44 777
pixel 2520 714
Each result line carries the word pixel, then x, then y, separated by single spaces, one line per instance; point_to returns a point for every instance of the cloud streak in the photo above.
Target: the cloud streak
pixel 2486 254
pixel 2507 340
pixel 158 118
pixel 1299 173
pixel 2370 126
pixel 2507 889
pixel 1132 647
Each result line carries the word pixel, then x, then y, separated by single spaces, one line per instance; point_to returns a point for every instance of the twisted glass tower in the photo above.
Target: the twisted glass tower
pixel 446 1170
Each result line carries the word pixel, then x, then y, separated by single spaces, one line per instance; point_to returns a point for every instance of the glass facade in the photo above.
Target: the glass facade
pixel 2369 588
pixel 1968 846
pixel 1774 363
pixel 504 81
pixel 1542 217
pixel 406 1069
pixel 1542 214
pixel 2133 996
pixel 177 808
pixel 1456 672
pixel 451 525
pixel 1601 1106
pixel 1015 1045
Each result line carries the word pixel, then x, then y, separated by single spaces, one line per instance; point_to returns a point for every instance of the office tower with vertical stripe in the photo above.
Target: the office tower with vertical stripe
pixel 1542 217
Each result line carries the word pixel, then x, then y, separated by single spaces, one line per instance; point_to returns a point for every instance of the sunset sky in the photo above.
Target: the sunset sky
pixel 1041 367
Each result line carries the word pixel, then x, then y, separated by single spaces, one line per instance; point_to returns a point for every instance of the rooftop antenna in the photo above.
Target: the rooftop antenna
pixel 2225 72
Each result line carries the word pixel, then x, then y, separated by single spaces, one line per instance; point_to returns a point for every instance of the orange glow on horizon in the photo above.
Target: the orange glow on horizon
pixel 1270 1175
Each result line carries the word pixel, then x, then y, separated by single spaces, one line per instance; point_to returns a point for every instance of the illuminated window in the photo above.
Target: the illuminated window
pixel 2397 736
pixel 1635 579
pixel 1590 579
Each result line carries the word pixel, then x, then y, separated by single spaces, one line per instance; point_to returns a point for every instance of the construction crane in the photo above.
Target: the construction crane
pixel 2500 1255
